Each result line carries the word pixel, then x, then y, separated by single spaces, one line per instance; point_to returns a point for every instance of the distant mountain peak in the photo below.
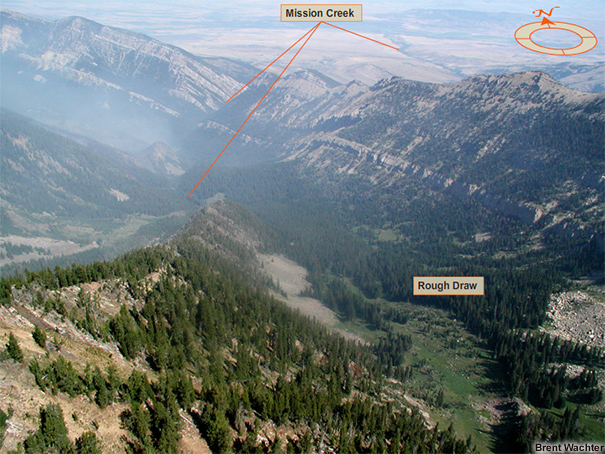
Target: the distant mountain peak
pixel 537 87
pixel 17 15
pixel 307 84
pixel 523 77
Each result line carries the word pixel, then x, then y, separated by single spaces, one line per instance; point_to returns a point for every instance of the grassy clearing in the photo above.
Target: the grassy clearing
pixel 95 239
pixel 597 293
pixel 445 357
pixel 388 235
pixel 360 329
pixel 593 423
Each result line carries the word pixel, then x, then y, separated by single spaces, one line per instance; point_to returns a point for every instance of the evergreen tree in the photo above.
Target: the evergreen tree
pixel 88 443
pixel 102 397
pixel 3 419
pixel 51 436
pixel 13 350
pixel 39 336
pixel 6 293
pixel 218 435
pixel 140 424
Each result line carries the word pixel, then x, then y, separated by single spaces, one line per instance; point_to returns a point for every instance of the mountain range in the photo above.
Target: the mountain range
pixel 330 199
pixel 521 144
pixel 61 197
pixel 116 86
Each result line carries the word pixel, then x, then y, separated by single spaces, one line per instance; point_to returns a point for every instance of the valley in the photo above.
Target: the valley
pixel 273 310
pixel 442 355
pixel 443 371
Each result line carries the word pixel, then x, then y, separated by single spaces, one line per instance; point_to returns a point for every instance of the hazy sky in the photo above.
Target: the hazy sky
pixel 150 15
pixel 467 43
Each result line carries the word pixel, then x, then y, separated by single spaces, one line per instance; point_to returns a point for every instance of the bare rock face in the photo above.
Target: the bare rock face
pixel 577 316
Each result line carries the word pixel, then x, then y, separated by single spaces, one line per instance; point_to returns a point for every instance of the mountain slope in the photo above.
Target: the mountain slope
pixel 296 103
pixel 140 89
pixel 53 188
pixel 45 172
pixel 171 343
pixel 521 144
pixel 161 159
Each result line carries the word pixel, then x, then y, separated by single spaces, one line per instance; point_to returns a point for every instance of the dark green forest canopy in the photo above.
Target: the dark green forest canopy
pixel 330 226
pixel 202 320
pixel 204 306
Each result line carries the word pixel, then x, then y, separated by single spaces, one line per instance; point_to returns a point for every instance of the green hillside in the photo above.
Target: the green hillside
pixel 202 341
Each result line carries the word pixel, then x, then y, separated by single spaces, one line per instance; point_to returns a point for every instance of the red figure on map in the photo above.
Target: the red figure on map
pixel 541 11
pixel 545 21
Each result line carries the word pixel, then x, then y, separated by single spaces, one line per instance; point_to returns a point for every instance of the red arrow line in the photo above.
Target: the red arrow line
pixel 357 34
pixel 267 67
pixel 310 33
pixel 253 110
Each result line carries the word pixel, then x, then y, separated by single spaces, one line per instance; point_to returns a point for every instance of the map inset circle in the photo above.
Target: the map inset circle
pixel 523 37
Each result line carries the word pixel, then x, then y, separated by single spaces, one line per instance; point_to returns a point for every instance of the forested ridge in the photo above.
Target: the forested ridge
pixel 333 227
pixel 234 358
pixel 222 350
